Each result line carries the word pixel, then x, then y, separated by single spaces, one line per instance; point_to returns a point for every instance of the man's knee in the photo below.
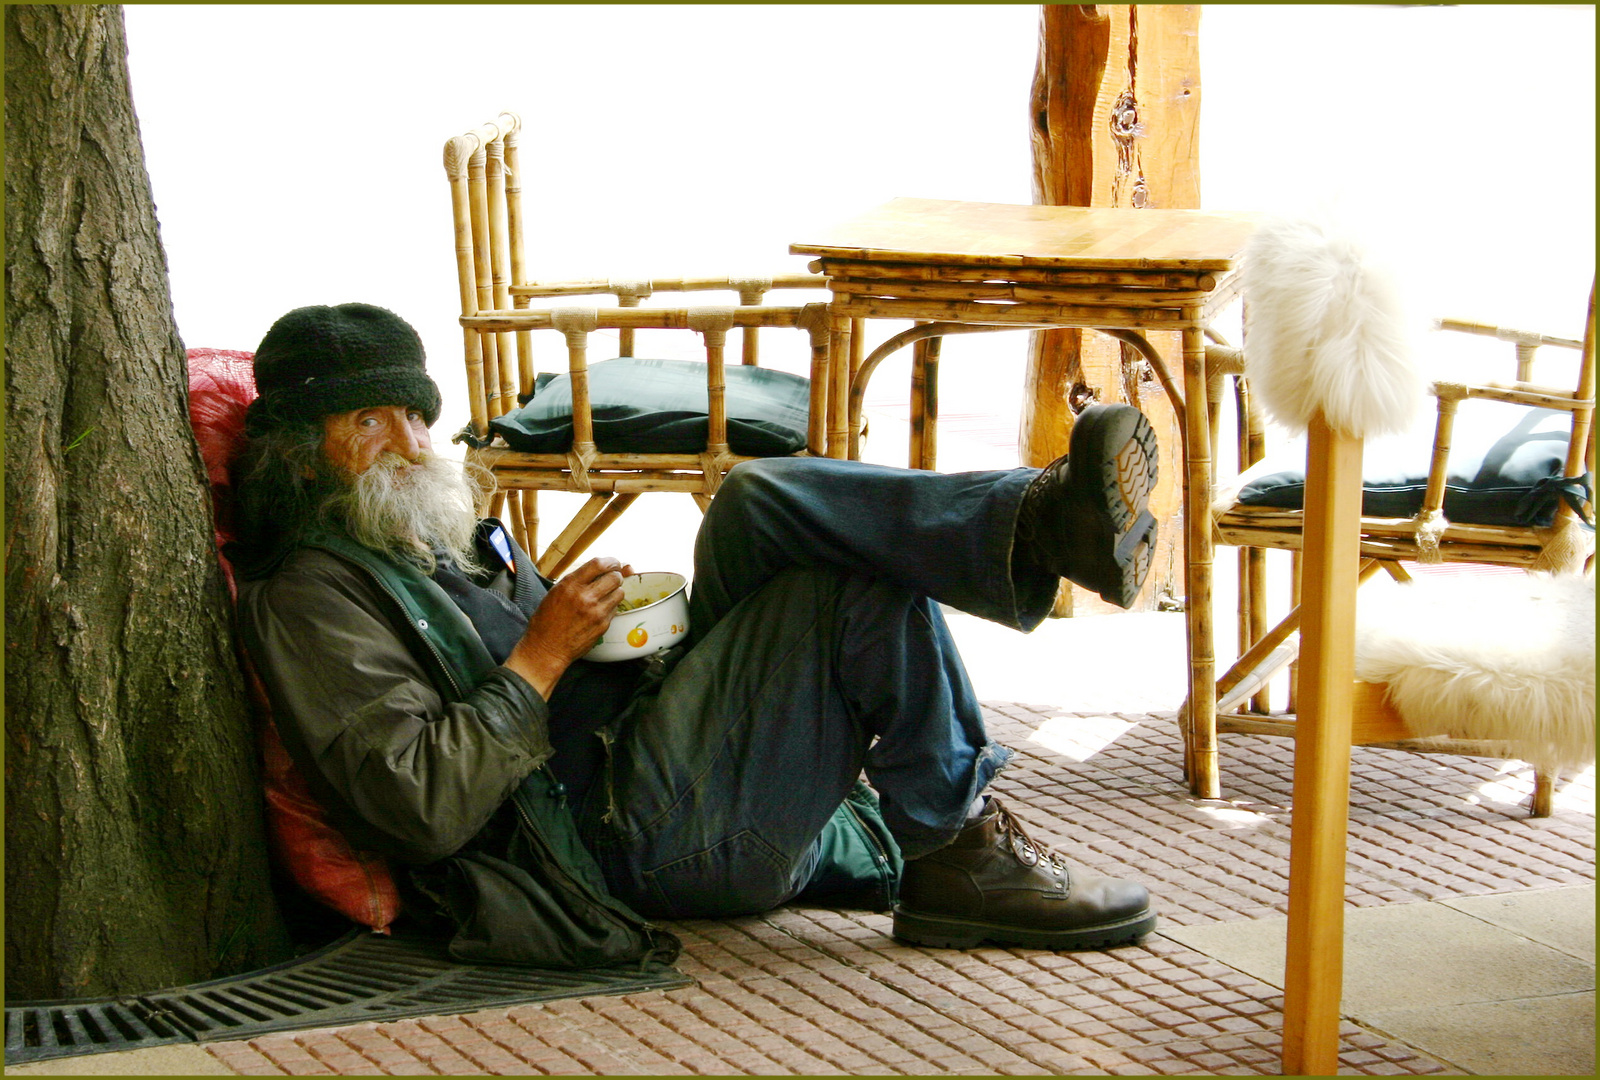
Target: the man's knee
pixel 754 475
pixel 751 486
pixel 772 479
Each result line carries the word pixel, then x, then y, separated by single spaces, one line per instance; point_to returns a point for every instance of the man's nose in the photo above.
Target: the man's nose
pixel 403 440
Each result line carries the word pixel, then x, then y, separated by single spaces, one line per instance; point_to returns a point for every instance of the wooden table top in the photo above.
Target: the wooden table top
pixel 968 233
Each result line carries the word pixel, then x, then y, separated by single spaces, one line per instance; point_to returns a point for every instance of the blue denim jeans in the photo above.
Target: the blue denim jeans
pixel 817 649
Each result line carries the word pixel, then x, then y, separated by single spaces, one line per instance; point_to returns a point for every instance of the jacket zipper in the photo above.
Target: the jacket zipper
pixel 872 839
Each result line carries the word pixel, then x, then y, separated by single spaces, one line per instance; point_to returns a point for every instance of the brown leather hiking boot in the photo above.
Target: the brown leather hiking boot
pixel 992 883
pixel 1084 516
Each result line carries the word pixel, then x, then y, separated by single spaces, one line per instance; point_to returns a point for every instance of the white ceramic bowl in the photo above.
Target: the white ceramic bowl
pixel 661 621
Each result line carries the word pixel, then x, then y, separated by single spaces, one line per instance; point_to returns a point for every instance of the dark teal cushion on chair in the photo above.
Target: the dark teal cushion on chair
pixel 1505 464
pixel 659 407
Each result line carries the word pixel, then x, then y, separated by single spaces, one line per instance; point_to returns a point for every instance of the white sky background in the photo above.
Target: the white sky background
pixel 296 158
pixel 296 152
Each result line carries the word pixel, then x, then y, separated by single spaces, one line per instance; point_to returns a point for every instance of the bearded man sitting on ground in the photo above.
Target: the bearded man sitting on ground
pixel 431 684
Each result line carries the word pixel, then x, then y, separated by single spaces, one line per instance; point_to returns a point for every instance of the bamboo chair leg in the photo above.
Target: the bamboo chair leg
pixel 930 402
pixel 556 552
pixel 1291 700
pixel 845 331
pixel 919 403
pixel 1252 448
pixel 1255 577
pixel 1250 618
pixel 1242 602
pixel 1314 964
pixel 512 511
pixel 1544 793
pixel 1254 670
pixel 1396 571
pixel 924 403
pixel 1201 730
pixel 1269 653
pixel 530 520
pixel 603 521
pixel 702 500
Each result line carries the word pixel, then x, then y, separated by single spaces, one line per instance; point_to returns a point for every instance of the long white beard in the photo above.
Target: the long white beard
pixel 410 511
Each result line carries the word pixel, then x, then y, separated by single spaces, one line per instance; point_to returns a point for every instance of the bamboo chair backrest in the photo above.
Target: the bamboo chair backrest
pixel 495 293
pixel 1558 546
pixel 484 172
pixel 1428 536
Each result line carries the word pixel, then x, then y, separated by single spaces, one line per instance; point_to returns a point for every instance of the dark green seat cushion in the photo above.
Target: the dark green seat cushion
pixel 645 406
pixel 1505 464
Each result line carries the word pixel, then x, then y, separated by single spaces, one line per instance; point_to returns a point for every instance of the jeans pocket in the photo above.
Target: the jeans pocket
pixel 740 875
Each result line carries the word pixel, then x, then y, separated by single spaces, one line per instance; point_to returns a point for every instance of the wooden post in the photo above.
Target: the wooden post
pixel 1115 117
pixel 1314 965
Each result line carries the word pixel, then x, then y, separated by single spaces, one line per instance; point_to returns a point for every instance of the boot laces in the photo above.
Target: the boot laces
pixel 1028 851
pixel 1028 511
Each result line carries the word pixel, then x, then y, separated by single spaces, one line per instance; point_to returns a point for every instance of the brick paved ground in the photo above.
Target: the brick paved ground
pixel 812 991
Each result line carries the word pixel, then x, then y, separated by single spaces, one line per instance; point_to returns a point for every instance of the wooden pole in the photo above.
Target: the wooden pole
pixel 1314 967
pixel 1115 116
pixel 1074 41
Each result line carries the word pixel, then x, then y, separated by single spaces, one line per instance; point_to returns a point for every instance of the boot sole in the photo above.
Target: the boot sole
pixel 1121 440
pixel 941 932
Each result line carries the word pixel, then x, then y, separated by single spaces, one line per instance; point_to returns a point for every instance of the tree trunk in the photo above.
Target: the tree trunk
pixel 1115 112
pixel 135 850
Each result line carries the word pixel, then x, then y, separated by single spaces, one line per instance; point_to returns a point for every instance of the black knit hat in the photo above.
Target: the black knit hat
pixel 316 361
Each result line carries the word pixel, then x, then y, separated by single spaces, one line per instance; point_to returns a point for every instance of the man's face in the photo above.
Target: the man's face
pixel 353 440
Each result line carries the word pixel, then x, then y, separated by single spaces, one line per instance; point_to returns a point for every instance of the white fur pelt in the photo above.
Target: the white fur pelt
pixel 1504 658
pixel 1325 331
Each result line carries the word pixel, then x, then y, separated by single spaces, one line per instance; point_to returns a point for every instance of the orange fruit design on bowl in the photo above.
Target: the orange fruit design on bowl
pixel 638 636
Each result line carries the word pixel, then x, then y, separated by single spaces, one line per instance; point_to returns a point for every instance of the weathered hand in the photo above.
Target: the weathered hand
pixel 568 622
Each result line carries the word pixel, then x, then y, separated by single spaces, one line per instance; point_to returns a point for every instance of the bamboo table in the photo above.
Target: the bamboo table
pixel 966 266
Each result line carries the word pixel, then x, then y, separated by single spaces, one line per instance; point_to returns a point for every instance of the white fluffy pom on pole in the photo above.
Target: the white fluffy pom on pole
pixel 1325 331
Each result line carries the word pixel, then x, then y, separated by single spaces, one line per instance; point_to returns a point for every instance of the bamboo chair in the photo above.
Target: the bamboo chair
pixel 498 324
pixel 1431 535
pixel 1342 377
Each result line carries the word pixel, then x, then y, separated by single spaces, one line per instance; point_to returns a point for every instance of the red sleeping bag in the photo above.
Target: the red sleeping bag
pixel 357 884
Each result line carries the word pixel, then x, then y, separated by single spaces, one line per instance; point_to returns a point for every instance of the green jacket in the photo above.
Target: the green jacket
pixel 426 751
pixel 423 749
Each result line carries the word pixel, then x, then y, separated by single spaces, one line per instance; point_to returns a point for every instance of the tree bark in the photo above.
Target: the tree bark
pixel 135 850
pixel 1115 113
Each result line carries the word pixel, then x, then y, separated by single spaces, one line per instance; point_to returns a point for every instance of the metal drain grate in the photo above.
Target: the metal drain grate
pixel 362 977
pixel 50 1029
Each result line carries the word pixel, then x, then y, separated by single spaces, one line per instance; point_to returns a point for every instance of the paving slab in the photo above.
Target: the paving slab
pixel 1560 918
pixel 1407 956
pixel 1543 1036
